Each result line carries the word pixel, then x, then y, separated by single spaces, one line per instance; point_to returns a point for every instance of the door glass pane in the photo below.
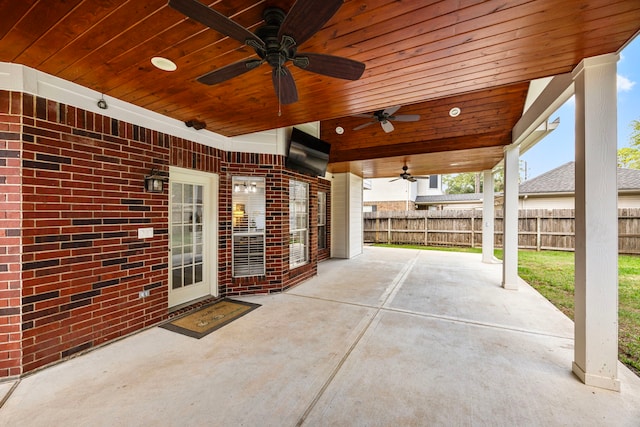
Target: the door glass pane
pixel 187 237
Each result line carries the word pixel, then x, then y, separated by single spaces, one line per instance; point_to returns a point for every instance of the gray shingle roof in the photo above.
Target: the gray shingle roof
pixel 562 180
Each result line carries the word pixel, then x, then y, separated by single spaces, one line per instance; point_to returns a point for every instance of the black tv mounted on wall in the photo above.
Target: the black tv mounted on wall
pixel 307 154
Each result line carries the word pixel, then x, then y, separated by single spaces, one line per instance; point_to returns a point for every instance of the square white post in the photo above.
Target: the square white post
pixel 488 215
pixel 596 257
pixel 510 220
pixel 347 234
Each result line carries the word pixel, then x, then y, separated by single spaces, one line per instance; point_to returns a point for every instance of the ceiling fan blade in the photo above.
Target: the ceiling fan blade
pixel 225 73
pixel 329 65
pixel 395 179
pixel 306 17
pixel 365 125
pixel 284 85
pixel 214 20
pixel 389 111
pixel 387 126
pixel 411 179
pixel 406 118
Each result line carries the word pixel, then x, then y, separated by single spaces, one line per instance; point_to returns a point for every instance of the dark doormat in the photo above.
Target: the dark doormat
pixel 209 318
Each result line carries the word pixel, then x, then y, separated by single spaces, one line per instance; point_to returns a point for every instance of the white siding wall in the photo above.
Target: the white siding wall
pixel 383 190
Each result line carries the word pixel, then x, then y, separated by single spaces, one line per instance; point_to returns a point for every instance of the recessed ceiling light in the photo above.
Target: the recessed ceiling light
pixel 163 63
pixel 339 130
pixel 455 112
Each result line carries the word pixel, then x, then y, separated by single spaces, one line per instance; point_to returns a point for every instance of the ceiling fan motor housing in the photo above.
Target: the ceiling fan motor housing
pixel 276 53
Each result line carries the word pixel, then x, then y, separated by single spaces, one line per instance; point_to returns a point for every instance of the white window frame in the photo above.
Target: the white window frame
pixel 298 223
pixel 248 247
pixel 322 220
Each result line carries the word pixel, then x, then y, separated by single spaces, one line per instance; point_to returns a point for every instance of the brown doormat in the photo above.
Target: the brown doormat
pixel 209 318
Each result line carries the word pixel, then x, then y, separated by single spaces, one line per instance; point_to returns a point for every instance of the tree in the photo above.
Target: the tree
pixel 462 183
pixel 629 157
pixel 459 183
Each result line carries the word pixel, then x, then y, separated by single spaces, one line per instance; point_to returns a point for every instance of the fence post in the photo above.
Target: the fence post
pixel 473 233
pixel 538 232
pixel 389 230
pixel 426 228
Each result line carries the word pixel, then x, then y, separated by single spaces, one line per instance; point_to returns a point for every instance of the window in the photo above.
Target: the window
pixel 298 223
pixel 433 181
pixel 248 220
pixel 322 220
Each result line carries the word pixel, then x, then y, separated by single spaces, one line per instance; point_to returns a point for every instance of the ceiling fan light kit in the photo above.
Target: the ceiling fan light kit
pixel 385 117
pixel 276 43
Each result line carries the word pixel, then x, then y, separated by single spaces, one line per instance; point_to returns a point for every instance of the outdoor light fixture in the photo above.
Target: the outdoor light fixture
pixel 154 182
pixel 163 64
pixel 455 112
pixel 102 104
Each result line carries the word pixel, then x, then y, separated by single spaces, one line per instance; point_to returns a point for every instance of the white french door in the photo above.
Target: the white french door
pixel 192 235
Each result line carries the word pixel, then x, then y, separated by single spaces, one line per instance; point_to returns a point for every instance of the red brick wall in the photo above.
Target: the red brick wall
pixel 277 276
pixel 79 177
pixel 10 240
pixel 83 202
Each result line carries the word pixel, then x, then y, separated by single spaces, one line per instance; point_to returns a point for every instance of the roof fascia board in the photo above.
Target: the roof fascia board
pixel 556 93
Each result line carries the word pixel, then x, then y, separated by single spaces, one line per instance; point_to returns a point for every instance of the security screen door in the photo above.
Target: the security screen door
pixel 192 232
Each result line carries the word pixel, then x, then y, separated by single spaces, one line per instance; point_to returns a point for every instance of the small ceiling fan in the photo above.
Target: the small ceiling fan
pixel 405 175
pixel 276 43
pixel 385 117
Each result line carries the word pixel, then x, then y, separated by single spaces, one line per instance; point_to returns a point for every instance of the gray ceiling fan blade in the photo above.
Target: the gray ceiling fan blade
pixel 394 179
pixel 411 179
pixel 365 125
pixel 387 126
pixel 389 111
pixel 406 118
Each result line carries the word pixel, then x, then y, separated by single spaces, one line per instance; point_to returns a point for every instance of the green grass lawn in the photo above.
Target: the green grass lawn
pixel 552 274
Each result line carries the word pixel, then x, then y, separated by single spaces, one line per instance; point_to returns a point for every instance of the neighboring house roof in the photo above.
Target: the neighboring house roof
pixel 558 180
pixel 562 180
pixel 449 198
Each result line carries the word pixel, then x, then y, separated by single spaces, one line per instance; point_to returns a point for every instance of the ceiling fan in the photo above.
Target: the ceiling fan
pixel 407 176
pixel 276 43
pixel 384 117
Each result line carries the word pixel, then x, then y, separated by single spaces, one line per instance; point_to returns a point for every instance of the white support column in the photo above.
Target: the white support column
pixel 510 220
pixel 346 216
pixel 488 216
pixel 596 256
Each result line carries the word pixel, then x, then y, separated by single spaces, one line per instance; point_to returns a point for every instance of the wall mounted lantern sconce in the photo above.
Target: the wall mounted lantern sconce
pixel 154 182
pixel 195 124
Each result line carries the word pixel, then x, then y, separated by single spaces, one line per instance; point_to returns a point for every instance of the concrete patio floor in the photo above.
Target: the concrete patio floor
pixel 394 337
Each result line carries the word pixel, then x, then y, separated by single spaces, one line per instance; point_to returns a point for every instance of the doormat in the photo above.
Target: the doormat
pixel 209 318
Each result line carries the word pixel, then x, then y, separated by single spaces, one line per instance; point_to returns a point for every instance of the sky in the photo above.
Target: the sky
pixel 558 147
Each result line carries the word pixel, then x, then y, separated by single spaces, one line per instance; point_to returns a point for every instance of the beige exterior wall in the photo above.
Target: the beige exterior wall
pixel 625 201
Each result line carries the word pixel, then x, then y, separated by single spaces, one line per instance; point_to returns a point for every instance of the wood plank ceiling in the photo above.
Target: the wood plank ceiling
pixel 427 56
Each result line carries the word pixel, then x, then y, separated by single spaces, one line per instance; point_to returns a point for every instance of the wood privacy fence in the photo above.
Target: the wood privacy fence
pixel 539 229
